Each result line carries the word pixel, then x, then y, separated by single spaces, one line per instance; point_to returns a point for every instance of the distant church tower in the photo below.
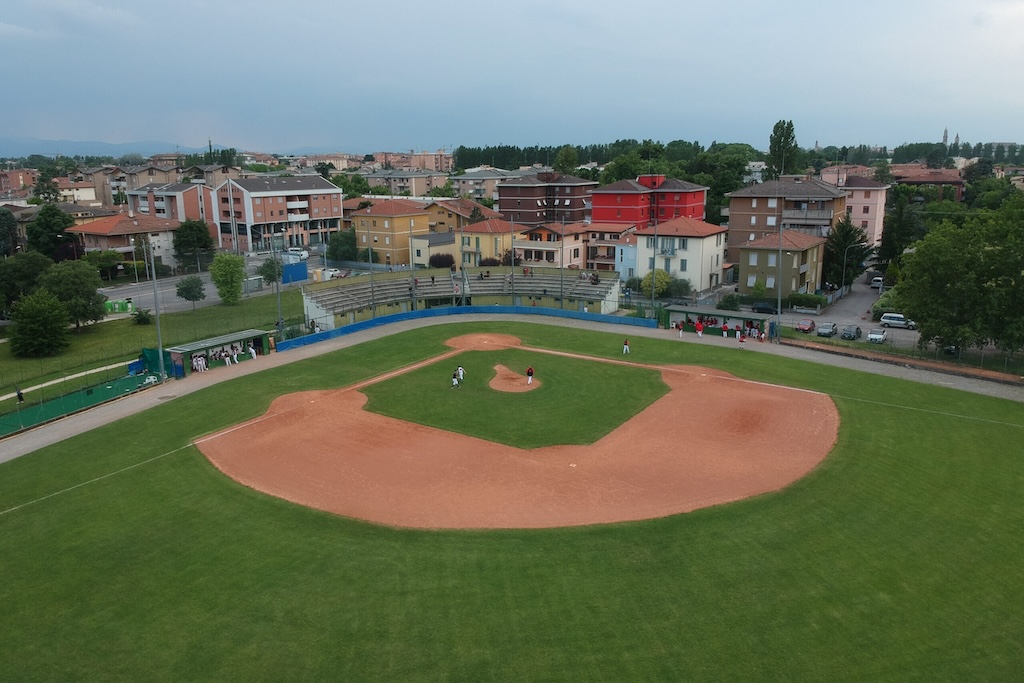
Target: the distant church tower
pixel 945 136
pixel 956 142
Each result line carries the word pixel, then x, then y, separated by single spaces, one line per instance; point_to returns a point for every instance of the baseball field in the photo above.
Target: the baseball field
pixel 127 554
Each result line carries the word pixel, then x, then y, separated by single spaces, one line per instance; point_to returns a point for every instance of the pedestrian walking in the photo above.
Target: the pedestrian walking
pixel 529 375
pixel 625 346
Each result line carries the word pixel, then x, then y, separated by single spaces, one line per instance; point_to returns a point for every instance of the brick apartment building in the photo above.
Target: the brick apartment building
pixel 646 200
pixel 547 197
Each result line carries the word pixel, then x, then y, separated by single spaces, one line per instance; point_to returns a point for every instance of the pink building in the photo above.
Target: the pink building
pixel 865 198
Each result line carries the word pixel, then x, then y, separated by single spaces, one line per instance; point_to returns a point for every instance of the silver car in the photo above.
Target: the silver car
pixel 877 336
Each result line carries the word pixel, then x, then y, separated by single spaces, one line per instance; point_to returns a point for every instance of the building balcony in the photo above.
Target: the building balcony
pixel 295 217
pixel 298 205
pixel 808 215
pixel 804 268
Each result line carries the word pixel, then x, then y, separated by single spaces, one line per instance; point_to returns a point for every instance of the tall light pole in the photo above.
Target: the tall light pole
pixel 561 266
pixel 156 305
pixel 279 271
pixel 843 286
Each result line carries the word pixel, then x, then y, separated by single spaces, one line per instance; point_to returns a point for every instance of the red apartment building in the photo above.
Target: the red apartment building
pixel 547 197
pixel 646 200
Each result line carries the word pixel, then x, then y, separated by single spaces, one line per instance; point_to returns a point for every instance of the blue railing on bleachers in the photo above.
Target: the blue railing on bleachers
pixel 462 310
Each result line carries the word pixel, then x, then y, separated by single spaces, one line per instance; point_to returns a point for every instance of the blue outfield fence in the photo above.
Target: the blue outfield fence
pixel 464 310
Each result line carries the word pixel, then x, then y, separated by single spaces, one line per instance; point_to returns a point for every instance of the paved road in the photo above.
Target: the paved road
pixel 35 439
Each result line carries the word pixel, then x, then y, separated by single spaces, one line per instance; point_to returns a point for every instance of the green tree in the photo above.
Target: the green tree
pixel 19 275
pixel 8 232
pixel 783 152
pixel 899 230
pixel 228 272
pixel 679 287
pixel 39 326
pixel 47 232
pixel 106 262
pixel 191 288
pixel 46 189
pixel 883 173
pixel 846 250
pixel 661 283
pixel 271 270
pixel 192 238
pixel 76 284
pixel 353 184
pixel 566 160
pixel 324 169
pixel 342 246
pixel 446 190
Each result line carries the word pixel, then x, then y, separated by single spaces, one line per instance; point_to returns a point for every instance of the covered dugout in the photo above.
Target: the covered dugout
pixel 714 318
pixel 218 351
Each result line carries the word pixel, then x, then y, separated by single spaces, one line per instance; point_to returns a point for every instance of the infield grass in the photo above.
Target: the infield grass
pixel 898 558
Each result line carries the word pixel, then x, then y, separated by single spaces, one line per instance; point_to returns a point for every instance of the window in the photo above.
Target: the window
pixel 773 202
pixel 618 198
pixel 866 209
pixel 751 280
pixel 650 263
pixel 683 242
pixel 418 253
pixel 849 210
pixel 650 243
pixel 753 220
pixel 863 224
pixel 751 238
pixel 752 259
pixel 867 194
pixel 618 213
pixel 770 282
pixel 771 221
pixel 387 240
pixel 771 260
pixel 364 238
pixel 753 203
pixel 682 265
pixel 257 200
pixel 259 214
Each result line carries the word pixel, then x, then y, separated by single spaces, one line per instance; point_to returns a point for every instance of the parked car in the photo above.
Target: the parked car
pixel 897 320
pixel 877 282
pixel 299 251
pixel 764 307
pixel 877 336
pixel 828 330
pixel 806 325
pixel 851 332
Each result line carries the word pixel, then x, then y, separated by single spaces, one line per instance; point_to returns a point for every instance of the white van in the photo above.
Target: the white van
pixel 897 320
pixel 300 252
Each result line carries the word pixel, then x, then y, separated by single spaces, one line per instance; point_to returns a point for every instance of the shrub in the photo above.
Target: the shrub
pixel 729 302
pixel 806 300
pixel 142 316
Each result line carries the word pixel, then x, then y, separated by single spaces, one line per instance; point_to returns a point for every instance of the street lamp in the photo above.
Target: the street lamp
pixel 279 268
pixel 778 293
pixel 843 286
pixel 156 306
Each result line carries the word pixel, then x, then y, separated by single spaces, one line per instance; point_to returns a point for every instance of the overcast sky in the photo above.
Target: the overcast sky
pixel 367 76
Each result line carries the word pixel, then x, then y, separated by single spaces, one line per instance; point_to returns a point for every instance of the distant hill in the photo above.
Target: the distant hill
pixel 23 147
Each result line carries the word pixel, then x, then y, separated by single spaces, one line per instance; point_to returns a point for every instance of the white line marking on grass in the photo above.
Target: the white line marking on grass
pixel 92 481
pixel 925 410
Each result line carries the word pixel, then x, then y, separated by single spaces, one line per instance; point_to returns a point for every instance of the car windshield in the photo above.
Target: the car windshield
pixel 878 332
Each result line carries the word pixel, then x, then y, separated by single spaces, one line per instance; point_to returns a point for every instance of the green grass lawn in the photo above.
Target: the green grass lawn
pixel 113 341
pixel 896 559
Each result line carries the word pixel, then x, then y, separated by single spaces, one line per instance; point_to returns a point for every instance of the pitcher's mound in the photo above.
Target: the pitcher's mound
pixel 510 381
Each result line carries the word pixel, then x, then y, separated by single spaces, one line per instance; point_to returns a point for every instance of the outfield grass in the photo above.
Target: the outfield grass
pixel 896 559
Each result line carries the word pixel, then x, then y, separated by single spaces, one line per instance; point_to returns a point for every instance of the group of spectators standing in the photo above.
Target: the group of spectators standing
pixel 747 329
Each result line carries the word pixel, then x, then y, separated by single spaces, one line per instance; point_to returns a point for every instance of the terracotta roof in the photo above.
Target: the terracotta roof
pixel 492 226
pixel 684 227
pixel 930 175
pixel 791 239
pixel 164 188
pixel 126 224
pixel 77 210
pixel 464 207
pixel 791 189
pixel 610 227
pixel 392 207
